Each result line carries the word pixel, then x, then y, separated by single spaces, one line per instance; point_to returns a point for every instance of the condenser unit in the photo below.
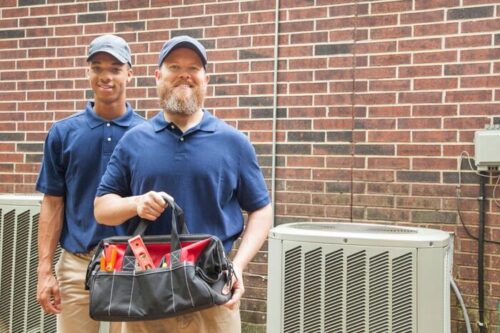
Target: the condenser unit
pixel 356 278
pixel 19 310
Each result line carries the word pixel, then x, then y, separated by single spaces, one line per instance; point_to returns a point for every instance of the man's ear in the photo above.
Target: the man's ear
pixel 157 74
pixel 130 74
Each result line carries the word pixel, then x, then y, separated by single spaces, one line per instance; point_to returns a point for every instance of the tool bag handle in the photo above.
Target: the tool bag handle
pixel 177 218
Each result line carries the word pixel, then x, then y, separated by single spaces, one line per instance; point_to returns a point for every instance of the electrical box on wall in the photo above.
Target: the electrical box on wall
pixel 487 146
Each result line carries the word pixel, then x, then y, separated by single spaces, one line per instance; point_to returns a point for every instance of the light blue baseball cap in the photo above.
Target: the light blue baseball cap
pixel 183 41
pixel 113 45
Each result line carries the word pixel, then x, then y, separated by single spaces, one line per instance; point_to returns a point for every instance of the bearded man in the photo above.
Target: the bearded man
pixel 210 169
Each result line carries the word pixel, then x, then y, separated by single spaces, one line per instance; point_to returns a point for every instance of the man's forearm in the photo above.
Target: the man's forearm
pixel 258 225
pixel 111 209
pixel 49 231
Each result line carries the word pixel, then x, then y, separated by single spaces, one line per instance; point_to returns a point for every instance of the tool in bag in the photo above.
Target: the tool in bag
pixel 153 277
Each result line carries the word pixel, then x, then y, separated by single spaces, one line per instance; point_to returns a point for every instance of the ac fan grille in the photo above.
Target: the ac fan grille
pixel 19 310
pixel 354 290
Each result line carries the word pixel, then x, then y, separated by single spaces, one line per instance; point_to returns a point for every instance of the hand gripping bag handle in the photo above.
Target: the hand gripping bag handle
pixel 177 218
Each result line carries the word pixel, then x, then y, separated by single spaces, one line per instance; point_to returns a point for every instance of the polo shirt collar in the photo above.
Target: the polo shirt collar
pixel 94 120
pixel 208 122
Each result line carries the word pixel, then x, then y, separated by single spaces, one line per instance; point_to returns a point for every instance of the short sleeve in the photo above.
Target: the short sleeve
pixel 51 179
pixel 252 191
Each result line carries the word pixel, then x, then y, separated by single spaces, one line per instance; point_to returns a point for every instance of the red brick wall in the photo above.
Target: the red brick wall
pixel 376 101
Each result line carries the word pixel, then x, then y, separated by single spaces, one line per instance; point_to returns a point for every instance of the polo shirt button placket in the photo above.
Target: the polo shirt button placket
pixel 181 139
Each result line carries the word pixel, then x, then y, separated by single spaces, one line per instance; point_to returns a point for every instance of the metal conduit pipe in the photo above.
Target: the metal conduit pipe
pixel 275 108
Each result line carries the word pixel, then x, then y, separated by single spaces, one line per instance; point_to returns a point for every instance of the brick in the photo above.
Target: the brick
pixel 256 29
pixel 418 150
pixel 388 163
pixel 433 217
pixel 467 69
pixel 374 149
pixel 376 47
pixel 435 57
pixel 133 4
pixel 332 49
pixel 16 33
pixel 308 136
pixel 390 33
pixel 422 17
pixel 470 13
pixel 348 10
pixel 468 41
pixel 390 85
pixel 429 4
pixel 31 2
pixel 202 21
pixel 6 23
pixel 290 173
pixel 331 149
pixel 419 44
pixel 77 8
pixel 377 20
pixel 466 122
pixel 481 26
pixel 256 53
pixel 308 13
pixel 309 38
pixel 346 86
pixel 11 136
pixel 479 109
pixel 130 26
pixel 417 176
pixel 373 176
pixel 435 29
pixel 187 11
pixel 388 136
pixel 435 84
pixel 390 59
pixel 477 55
pixel 91 18
pixel 392 6
pixel 433 136
pixel 420 123
pixel 375 123
pixel 468 96
pixel 481 81
pixel 419 97
pixel 298 26
pixel 434 164
pixel 419 71
pixel 389 111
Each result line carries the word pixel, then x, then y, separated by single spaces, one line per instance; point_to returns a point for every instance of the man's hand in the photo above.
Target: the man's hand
pixel 238 288
pixel 47 294
pixel 151 205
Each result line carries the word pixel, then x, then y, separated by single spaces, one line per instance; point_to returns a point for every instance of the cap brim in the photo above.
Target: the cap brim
pixel 111 52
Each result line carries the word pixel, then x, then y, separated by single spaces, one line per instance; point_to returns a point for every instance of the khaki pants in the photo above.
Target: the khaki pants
pixel 217 319
pixel 74 317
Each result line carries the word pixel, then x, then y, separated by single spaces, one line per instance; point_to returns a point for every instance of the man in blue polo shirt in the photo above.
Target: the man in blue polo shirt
pixel 77 150
pixel 208 167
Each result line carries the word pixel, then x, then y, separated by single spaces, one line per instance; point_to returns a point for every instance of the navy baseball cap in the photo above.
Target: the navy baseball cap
pixel 113 45
pixel 183 41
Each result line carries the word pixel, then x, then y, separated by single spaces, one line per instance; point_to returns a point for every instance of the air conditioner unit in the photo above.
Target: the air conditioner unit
pixel 19 310
pixel 355 278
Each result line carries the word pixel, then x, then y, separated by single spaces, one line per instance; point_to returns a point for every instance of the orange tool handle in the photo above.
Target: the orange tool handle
pixel 110 266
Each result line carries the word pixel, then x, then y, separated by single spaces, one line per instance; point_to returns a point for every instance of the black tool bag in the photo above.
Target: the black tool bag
pixel 189 274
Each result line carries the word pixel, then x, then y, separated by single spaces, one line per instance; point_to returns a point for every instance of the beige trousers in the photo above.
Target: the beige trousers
pixel 217 319
pixel 74 318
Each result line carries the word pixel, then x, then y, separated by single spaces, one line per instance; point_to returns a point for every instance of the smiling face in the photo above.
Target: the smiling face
pixel 181 82
pixel 108 78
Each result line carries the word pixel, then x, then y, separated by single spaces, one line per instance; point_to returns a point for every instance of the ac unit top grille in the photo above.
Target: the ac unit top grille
pixel 378 229
pixel 365 234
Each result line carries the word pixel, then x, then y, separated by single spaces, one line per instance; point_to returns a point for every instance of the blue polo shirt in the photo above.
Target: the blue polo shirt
pixel 77 150
pixel 211 170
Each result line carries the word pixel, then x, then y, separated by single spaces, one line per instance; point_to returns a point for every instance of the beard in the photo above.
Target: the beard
pixel 173 101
